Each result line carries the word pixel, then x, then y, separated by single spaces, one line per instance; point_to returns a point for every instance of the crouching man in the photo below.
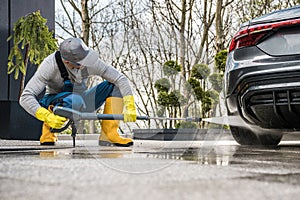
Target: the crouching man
pixel 63 74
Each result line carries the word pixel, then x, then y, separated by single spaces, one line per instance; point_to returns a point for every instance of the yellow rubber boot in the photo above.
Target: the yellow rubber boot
pixel 47 138
pixel 109 133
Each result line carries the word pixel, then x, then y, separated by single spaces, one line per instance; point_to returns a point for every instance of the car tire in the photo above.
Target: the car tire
pixel 269 139
pixel 244 136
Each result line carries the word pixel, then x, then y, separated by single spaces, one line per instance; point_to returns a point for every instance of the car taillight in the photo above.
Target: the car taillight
pixel 251 35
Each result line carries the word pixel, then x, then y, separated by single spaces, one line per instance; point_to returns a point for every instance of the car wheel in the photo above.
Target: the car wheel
pixel 270 139
pixel 245 136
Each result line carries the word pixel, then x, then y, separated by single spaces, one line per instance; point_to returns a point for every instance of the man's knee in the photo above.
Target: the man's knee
pixel 116 92
pixel 74 101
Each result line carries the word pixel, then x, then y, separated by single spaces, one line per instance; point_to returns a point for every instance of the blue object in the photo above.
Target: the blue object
pixel 88 100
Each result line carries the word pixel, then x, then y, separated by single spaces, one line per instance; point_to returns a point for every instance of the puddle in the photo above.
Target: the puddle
pixel 94 153
pixel 221 155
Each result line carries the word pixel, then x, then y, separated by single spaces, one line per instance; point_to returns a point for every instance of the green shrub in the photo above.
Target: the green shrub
pixel 186 125
pixel 200 71
pixel 162 85
pixel 171 67
pixel 220 60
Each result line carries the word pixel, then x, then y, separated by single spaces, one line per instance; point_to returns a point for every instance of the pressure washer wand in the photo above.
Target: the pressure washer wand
pixel 75 116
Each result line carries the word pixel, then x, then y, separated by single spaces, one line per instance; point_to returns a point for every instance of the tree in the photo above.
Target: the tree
pixel 222 22
pixel 201 72
pixel 216 79
pixel 207 18
pixel 32 35
pixel 170 101
pixel 219 26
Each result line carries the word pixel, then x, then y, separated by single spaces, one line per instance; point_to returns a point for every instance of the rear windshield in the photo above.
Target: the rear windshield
pixel 283 42
pixel 279 15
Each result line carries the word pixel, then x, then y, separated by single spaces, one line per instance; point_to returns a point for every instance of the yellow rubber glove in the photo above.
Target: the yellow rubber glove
pixel 52 120
pixel 130 111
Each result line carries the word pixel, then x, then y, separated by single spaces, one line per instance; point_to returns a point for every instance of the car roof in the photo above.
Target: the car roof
pixel 279 15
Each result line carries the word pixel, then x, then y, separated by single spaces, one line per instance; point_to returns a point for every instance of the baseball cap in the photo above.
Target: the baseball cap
pixel 76 51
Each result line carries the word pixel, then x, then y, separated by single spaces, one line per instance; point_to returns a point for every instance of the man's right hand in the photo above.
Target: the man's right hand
pixel 52 120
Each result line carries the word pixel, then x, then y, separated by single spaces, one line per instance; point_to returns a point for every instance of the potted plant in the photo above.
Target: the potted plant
pixel 32 42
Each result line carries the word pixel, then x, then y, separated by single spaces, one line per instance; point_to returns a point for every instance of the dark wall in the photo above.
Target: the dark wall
pixel 10 12
pixel 4 31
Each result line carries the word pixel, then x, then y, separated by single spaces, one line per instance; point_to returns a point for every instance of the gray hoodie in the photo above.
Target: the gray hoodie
pixel 48 76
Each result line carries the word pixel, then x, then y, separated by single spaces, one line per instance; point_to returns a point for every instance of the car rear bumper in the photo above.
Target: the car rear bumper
pixel 272 106
pixel 269 99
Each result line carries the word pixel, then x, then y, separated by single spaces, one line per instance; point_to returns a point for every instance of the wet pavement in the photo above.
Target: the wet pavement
pixel 209 169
